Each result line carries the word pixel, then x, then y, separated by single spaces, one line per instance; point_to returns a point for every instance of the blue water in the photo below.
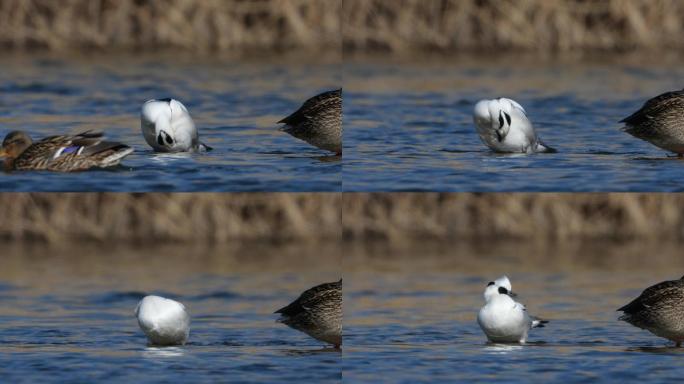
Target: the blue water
pixel 413 320
pixel 235 104
pixel 68 319
pixel 408 125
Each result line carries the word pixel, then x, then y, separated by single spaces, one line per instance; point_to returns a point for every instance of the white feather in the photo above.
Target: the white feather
pixel 502 319
pixel 168 127
pixel 58 153
pixel 503 126
pixel 164 321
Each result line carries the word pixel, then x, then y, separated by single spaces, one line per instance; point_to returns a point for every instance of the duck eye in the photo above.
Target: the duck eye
pixel 490 283
pixel 503 290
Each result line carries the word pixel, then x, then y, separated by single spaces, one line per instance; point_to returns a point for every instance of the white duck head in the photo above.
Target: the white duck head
pixel 500 286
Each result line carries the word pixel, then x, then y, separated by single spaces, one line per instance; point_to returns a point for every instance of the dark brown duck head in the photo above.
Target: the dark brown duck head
pixel 15 143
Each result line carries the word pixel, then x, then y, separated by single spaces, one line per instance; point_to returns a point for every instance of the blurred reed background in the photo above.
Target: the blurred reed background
pixel 489 217
pixel 363 25
pixel 181 217
pixel 194 25
pixel 528 25
pixel 216 217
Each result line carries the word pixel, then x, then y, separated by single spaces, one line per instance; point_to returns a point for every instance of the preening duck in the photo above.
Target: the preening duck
pixel 167 127
pixel 318 121
pixel 317 312
pixel 660 122
pixel 503 126
pixel 164 321
pixel 659 309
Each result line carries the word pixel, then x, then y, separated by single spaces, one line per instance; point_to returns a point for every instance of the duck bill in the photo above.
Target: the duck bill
pixel 512 294
pixel 3 153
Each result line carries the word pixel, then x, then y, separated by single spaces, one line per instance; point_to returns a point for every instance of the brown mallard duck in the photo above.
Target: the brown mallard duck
pixel 318 121
pixel 67 153
pixel 317 312
pixel 659 309
pixel 659 121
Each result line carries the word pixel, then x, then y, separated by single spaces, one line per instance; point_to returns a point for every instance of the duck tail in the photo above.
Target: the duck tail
pixel 105 146
pixel 543 148
pixel 108 153
pixel 538 323
pixel 116 155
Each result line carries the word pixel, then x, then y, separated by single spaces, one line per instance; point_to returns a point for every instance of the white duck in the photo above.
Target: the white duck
pixel 167 127
pixel 503 126
pixel 503 319
pixel 164 321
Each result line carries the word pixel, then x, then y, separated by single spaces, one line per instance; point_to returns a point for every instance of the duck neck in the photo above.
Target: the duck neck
pixel 8 163
pixel 501 299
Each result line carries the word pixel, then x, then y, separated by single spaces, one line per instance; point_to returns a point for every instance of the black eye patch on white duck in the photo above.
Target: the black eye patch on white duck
pixel 164 139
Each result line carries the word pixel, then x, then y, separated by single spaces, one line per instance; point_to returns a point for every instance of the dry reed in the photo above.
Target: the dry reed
pixel 505 216
pixel 218 218
pixel 154 217
pixel 196 25
pixel 363 25
pixel 541 25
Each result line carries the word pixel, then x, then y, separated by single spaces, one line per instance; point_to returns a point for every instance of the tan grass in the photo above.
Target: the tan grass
pixel 536 25
pixel 220 218
pixel 502 216
pixel 402 26
pixel 195 25
pixel 152 217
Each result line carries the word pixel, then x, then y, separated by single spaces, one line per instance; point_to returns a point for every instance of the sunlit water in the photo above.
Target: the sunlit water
pixel 67 315
pixel 408 125
pixel 410 313
pixel 235 104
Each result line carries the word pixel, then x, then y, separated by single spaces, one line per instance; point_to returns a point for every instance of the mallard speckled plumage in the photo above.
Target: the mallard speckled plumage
pixel 317 312
pixel 660 121
pixel 659 309
pixel 318 121
pixel 67 153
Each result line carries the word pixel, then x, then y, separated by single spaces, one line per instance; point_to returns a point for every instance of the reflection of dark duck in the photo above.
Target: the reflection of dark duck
pixel 659 309
pixel 318 121
pixel 66 153
pixel 660 121
pixel 317 312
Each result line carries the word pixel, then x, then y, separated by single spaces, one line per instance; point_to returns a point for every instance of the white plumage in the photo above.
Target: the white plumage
pixel 164 321
pixel 167 127
pixel 503 126
pixel 503 319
